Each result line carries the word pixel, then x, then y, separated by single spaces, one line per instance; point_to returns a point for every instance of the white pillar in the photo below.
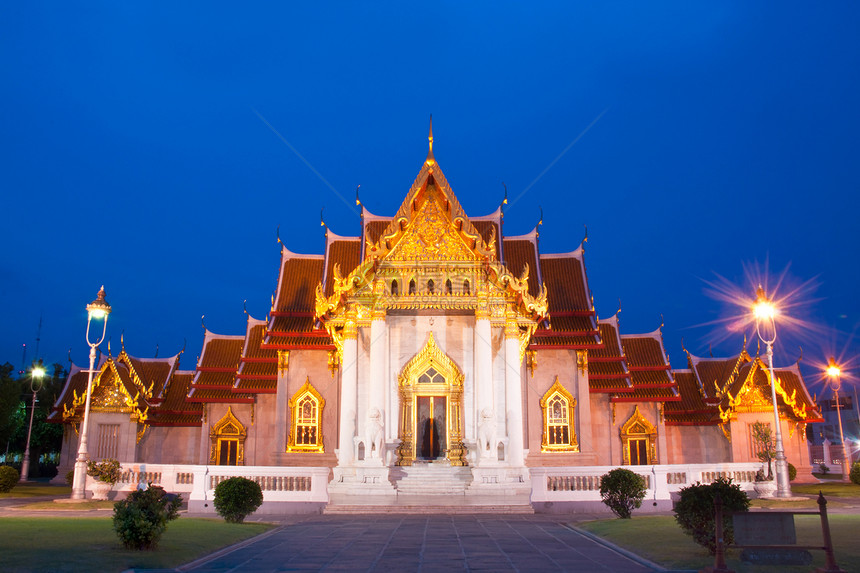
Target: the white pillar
pixel 484 400
pixel 376 418
pixel 348 382
pixel 513 394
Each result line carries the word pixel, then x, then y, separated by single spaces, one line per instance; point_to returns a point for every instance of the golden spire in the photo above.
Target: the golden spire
pixel 430 159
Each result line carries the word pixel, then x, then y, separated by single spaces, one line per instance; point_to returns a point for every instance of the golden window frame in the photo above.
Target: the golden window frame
pixel 638 427
pixel 228 428
pixel 306 408
pixel 556 419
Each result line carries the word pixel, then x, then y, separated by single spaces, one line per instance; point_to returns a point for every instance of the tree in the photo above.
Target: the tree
pixel 10 401
pixel 623 491
pixel 765 446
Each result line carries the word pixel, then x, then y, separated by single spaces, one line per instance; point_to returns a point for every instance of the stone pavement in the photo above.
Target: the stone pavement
pixel 424 544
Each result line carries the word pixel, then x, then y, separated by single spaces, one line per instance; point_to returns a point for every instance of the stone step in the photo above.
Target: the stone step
pixel 424 509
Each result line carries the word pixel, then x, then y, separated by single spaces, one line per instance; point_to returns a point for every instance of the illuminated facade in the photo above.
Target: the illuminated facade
pixel 433 340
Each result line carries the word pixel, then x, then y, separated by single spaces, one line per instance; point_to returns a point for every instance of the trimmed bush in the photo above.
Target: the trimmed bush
pixel 792 472
pixel 622 490
pixel 855 473
pixel 141 518
pixel 8 478
pixel 694 510
pixel 237 498
pixel 70 478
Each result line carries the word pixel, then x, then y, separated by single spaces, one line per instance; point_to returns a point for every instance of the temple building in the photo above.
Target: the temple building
pixel 433 354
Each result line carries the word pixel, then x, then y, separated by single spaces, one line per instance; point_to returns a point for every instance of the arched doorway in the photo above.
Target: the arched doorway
pixel 431 395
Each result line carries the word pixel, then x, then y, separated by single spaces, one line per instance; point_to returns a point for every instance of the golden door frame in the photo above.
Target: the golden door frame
pixel 431 356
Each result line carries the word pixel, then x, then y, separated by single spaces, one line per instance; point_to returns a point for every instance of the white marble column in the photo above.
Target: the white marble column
pixel 348 381
pixel 376 416
pixel 514 395
pixel 484 404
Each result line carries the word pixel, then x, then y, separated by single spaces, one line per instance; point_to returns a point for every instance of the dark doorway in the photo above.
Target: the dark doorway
pixel 639 452
pixel 431 434
pixel 228 452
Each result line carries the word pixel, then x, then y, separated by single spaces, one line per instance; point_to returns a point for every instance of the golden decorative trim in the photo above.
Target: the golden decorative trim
pixel 333 361
pixel 306 407
pixel 531 361
pixel 230 429
pixel 638 427
pixel 559 429
pixel 431 356
pixel 283 362
pixel 582 361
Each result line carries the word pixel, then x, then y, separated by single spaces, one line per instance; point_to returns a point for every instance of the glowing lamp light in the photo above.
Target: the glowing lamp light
pixel 832 369
pixel 37 372
pixel 99 308
pixel 763 308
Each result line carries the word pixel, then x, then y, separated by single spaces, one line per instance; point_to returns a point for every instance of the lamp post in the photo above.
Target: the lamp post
pixel 835 375
pixel 764 312
pixel 37 373
pixel 99 309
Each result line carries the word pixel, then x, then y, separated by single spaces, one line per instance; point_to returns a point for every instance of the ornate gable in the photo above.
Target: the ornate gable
pixel 430 235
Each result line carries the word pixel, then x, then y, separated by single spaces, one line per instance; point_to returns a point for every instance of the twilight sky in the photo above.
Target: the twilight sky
pixel 138 152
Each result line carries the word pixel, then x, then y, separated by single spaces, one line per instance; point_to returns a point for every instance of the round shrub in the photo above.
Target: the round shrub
pixel 694 510
pixel 622 490
pixel 141 518
pixel 855 473
pixel 8 478
pixel 792 472
pixel 237 498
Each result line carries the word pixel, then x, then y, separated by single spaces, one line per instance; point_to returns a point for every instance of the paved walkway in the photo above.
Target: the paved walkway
pixel 424 544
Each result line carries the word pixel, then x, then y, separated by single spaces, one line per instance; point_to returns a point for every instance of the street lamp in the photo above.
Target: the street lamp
pixel 764 312
pixel 835 375
pixel 37 373
pixel 99 309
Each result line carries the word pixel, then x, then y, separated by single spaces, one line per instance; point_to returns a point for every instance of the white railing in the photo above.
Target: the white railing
pixel 197 483
pixel 583 483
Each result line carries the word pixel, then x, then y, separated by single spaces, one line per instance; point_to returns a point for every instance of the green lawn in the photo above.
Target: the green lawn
pixel 660 539
pixel 90 544
pixel 36 489
pixel 828 488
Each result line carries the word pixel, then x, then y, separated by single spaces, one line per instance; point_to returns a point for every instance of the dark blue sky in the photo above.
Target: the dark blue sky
pixel 132 155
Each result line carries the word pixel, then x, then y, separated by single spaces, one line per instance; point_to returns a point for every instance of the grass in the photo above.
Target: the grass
pixel 660 539
pixel 69 505
pixel 37 489
pixel 90 544
pixel 828 488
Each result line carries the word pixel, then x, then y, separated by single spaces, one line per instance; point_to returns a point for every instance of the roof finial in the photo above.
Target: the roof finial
pixel 357 200
pixel 430 158
pixel 156 350
pixel 203 322
pixel 710 350
pixel 245 308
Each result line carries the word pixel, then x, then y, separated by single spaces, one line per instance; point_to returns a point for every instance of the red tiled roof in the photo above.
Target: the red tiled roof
pixel 345 252
pixel 520 252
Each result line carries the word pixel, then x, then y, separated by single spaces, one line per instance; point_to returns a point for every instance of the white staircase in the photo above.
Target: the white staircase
pixel 431 479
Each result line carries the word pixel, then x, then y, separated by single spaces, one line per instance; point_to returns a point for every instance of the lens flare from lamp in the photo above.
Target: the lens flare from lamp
pixel 763 307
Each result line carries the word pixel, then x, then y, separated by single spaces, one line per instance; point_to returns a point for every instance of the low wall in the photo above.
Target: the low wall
pixel 285 489
pixel 577 489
